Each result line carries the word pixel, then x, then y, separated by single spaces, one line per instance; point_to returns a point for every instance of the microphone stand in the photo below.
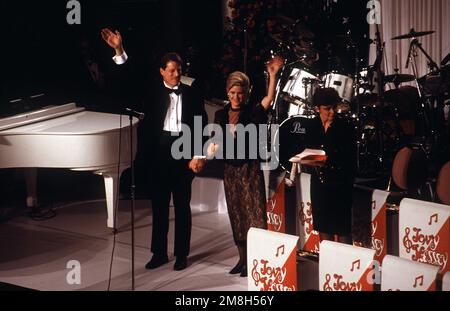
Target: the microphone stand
pixel 132 196
pixel 131 113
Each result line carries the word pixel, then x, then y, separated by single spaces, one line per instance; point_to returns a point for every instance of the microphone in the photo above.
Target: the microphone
pixel 134 113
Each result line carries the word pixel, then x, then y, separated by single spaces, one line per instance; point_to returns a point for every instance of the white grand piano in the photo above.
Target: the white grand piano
pixel 70 137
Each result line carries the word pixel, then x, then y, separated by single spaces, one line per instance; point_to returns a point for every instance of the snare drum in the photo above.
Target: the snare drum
pixel 301 85
pixel 341 83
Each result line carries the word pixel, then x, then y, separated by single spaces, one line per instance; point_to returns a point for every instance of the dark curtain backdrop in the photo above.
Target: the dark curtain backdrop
pixel 41 52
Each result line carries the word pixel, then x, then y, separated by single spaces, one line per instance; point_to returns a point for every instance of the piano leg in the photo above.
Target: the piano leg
pixel 30 181
pixel 112 183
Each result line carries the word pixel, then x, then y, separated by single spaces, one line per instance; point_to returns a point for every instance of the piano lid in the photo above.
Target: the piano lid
pixel 39 115
pixel 64 120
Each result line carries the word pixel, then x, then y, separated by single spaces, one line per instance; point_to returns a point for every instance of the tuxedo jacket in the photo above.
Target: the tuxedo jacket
pixel 150 96
pixel 156 104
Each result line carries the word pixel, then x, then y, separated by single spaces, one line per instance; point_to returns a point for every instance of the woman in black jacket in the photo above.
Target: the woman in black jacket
pixel 243 178
pixel 332 184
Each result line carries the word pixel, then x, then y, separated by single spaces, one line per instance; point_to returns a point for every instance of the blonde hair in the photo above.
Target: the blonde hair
pixel 238 78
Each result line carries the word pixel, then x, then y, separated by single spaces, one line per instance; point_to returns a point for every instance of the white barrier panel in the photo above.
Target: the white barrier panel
pixel 271 261
pixel 424 233
pixel 276 211
pixel 309 238
pixel 379 233
pixel 208 194
pixel 345 267
pixel 399 274
pixel 446 282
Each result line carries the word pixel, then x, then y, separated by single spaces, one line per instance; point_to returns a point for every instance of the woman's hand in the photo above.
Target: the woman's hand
pixel 274 65
pixel 113 39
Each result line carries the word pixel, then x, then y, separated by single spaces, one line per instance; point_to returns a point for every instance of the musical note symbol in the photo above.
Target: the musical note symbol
pixel 278 250
pixel 358 262
pixel 431 218
pixel 416 279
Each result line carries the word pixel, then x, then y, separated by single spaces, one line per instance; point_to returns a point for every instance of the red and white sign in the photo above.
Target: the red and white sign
pixel 345 267
pixel 379 233
pixel 309 238
pixel 446 282
pixel 401 274
pixel 271 261
pixel 276 216
pixel 424 233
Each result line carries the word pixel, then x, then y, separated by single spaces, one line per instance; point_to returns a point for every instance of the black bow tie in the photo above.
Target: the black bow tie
pixel 176 91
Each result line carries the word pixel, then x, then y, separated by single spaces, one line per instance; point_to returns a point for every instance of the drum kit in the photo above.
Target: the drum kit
pixel 382 119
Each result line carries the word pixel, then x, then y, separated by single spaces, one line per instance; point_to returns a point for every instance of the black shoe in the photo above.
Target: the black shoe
pixel 157 261
pixel 237 269
pixel 180 263
pixel 244 271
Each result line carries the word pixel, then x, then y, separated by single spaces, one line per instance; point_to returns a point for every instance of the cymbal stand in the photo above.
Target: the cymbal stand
pixel 274 118
pixel 358 110
pixel 378 129
pixel 411 59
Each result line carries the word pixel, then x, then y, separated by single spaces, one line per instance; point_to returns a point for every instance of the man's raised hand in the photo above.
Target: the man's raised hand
pixel 113 39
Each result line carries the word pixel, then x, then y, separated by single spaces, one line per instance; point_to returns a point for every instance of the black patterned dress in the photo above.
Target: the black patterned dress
pixel 243 179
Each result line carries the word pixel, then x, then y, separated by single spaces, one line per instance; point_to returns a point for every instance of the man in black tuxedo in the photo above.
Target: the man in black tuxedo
pixel 170 105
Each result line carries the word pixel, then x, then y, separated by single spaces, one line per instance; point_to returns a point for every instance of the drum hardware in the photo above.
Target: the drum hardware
pixel 375 134
pixel 413 34
pixel 445 60
pixel 414 47
pixel 398 78
pixel 342 84
pixel 368 81
pixel 301 84
pixel 363 94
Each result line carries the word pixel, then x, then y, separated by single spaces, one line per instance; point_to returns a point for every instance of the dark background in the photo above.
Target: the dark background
pixel 41 52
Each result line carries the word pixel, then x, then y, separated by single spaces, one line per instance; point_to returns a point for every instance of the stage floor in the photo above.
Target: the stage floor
pixel 35 254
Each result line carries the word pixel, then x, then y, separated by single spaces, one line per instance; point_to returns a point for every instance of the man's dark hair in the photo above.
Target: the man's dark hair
pixel 170 57
pixel 326 97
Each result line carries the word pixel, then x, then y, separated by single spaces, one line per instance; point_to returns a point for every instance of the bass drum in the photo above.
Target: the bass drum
pixel 291 139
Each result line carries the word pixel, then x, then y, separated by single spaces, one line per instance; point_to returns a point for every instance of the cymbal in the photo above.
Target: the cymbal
pixel 413 34
pixel 398 78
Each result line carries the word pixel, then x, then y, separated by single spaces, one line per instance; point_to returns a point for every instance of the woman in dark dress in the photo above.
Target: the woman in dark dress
pixel 332 184
pixel 243 178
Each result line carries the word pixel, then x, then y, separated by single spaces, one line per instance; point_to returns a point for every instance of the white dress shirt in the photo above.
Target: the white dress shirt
pixel 172 122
